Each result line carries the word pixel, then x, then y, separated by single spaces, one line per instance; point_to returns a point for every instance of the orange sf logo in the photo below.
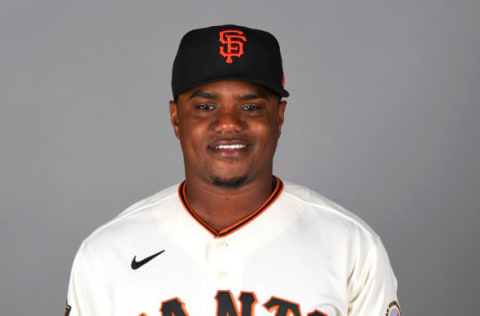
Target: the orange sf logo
pixel 232 41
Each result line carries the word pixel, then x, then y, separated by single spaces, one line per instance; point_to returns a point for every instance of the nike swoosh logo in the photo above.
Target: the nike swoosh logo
pixel 137 264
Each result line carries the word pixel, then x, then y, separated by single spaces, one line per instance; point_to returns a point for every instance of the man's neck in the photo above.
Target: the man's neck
pixel 221 207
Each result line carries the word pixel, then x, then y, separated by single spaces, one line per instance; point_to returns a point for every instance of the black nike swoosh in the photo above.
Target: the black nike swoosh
pixel 137 264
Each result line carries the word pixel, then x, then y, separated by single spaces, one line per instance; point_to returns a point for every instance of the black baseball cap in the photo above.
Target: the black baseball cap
pixel 228 52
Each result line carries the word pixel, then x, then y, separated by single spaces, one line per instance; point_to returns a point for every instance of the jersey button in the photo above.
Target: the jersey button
pixel 222 275
pixel 222 244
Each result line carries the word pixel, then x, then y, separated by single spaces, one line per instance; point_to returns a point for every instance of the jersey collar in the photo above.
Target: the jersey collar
pixel 277 190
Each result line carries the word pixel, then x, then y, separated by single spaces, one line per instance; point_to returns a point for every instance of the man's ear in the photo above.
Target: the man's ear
pixel 281 115
pixel 174 118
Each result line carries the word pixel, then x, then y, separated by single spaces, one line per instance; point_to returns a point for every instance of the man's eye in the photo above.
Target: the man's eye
pixel 250 107
pixel 205 107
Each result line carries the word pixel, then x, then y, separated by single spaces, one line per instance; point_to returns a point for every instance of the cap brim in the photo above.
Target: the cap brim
pixel 275 89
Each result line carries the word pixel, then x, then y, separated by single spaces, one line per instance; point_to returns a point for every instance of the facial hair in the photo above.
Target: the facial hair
pixel 233 183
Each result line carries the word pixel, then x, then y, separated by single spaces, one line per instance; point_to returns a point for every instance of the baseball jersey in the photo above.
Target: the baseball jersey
pixel 299 254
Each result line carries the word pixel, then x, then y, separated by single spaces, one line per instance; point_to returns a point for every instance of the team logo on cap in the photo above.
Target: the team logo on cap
pixel 393 309
pixel 232 41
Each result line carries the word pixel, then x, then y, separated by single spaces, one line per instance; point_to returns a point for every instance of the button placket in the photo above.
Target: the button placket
pixel 223 260
pixel 219 263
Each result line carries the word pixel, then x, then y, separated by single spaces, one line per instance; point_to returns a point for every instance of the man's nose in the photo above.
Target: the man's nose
pixel 228 120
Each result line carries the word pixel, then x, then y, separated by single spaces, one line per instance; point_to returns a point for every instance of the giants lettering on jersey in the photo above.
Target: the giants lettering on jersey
pixel 227 306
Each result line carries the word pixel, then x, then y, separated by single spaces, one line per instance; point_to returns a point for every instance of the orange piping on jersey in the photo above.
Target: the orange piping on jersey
pixel 186 205
pixel 277 191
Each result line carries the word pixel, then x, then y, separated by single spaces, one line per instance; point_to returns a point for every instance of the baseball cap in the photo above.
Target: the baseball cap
pixel 228 52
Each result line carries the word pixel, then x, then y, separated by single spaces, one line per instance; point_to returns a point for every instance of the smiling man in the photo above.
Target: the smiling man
pixel 232 239
pixel 228 131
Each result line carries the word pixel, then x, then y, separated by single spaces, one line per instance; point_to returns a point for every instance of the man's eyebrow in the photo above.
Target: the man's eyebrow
pixel 202 94
pixel 256 95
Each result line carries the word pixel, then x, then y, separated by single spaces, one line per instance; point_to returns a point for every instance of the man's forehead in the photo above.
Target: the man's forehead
pixel 229 88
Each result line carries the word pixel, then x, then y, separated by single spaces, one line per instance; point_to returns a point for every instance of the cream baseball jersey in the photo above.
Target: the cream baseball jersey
pixel 299 254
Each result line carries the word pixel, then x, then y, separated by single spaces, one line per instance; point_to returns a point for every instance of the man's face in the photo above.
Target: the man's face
pixel 228 131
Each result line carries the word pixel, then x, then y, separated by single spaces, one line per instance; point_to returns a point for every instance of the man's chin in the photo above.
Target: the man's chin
pixel 229 183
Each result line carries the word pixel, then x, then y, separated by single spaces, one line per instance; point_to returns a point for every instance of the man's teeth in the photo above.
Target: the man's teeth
pixel 234 146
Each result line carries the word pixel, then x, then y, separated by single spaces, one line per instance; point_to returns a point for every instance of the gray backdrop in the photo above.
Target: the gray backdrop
pixel 382 118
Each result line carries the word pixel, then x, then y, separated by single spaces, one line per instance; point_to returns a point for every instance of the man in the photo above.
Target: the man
pixel 232 239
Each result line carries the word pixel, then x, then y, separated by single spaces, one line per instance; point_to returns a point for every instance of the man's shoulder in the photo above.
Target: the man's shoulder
pixel 141 215
pixel 317 208
pixel 149 202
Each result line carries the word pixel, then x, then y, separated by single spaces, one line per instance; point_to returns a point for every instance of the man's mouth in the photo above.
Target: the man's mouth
pixel 229 147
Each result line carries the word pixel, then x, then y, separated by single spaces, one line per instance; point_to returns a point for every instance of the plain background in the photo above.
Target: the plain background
pixel 383 119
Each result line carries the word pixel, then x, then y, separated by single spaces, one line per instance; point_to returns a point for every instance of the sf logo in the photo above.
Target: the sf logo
pixel 232 41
